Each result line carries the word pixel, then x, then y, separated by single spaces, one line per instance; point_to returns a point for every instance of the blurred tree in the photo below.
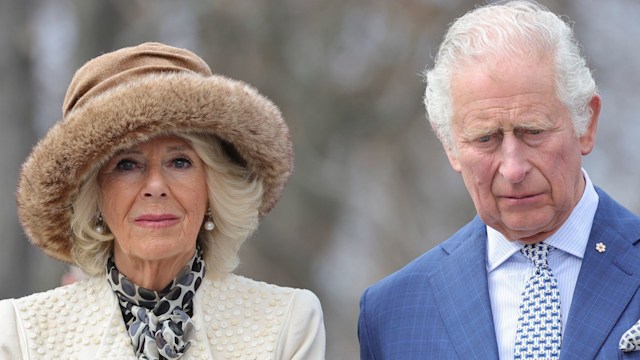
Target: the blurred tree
pixel 20 270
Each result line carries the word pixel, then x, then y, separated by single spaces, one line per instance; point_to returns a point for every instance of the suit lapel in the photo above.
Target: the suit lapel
pixel 606 283
pixel 462 295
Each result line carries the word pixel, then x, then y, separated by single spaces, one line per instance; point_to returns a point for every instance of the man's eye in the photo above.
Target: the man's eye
pixel 485 138
pixel 126 165
pixel 534 132
pixel 181 163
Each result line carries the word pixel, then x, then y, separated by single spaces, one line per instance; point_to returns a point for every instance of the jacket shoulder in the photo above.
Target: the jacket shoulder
pixel 613 215
pixel 244 291
pixel 254 318
pixel 66 320
pixel 65 298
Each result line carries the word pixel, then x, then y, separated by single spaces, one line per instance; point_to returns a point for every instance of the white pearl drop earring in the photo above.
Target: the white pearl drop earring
pixel 99 225
pixel 209 225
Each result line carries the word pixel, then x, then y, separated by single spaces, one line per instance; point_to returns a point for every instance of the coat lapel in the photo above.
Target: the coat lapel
pixel 202 319
pixel 115 339
pixel 606 283
pixel 462 295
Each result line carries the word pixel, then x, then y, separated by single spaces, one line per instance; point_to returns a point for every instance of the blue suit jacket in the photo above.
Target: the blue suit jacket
pixel 438 307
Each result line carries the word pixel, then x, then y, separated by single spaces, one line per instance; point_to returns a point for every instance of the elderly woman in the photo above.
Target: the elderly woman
pixel 150 183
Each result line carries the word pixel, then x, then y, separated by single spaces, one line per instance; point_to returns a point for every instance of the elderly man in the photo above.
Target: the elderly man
pixel 550 267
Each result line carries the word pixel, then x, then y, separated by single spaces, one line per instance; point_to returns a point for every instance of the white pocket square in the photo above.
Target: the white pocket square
pixel 630 340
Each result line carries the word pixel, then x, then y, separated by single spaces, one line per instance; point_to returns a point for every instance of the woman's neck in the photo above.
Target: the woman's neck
pixel 151 274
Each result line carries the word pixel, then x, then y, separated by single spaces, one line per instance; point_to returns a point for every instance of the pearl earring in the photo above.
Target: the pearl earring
pixel 99 225
pixel 209 225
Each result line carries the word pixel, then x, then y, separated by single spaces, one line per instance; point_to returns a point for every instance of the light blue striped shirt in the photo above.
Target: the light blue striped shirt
pixel 508 269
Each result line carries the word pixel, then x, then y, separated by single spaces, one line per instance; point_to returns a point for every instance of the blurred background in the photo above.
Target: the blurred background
pixel 372 188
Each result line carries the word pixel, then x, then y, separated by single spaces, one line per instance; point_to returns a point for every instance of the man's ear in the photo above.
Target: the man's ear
pixel 588 139
pixel 452 155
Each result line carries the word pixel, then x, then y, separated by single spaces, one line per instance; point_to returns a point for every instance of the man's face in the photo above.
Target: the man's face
pixel 517 150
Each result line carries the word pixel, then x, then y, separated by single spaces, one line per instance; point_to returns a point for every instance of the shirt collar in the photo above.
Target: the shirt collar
pixel 571 237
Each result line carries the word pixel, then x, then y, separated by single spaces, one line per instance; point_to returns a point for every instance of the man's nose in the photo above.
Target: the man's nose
pixel 514 164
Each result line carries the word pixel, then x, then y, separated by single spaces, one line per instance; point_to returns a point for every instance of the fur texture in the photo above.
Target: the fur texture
pixel 113 104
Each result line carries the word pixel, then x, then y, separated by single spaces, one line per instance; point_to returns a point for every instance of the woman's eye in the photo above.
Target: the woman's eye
pixel 126 165
pixel 181 163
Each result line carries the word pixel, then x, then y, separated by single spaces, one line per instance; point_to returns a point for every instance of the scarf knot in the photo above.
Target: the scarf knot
pixel 168 335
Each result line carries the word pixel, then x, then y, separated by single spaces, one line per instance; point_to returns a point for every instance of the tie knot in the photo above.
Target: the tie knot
pixel 537 253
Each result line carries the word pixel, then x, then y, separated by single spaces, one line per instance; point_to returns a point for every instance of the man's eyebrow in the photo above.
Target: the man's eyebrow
pixel 480 131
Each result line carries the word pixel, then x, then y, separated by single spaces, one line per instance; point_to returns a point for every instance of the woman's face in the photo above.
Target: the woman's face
pixel 153 199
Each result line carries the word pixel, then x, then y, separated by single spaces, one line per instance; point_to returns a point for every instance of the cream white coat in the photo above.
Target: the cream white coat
pixel 235 318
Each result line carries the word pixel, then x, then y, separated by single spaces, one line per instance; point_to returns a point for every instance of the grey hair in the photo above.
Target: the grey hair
pixel 521 28
pixel 234 198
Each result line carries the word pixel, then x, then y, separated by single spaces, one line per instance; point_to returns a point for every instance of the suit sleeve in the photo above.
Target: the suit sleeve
pixel 366 352
pixel 12 340
pixel 303 335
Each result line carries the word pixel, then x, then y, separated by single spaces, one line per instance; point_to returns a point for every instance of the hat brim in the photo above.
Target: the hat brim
pixel 132 113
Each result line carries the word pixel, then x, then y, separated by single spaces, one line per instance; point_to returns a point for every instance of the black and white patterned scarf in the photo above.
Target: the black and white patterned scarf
pixel 159 323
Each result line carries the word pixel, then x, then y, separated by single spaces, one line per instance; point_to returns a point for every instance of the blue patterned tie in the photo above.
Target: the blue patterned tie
pixel 539 329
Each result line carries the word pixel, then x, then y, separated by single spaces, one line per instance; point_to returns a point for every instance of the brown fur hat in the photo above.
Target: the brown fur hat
pixel 128 96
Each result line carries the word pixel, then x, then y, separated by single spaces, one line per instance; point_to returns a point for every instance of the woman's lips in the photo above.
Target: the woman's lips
pixel 156 221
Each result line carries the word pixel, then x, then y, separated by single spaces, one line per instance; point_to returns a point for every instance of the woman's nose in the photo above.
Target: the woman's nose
pixel 155 184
